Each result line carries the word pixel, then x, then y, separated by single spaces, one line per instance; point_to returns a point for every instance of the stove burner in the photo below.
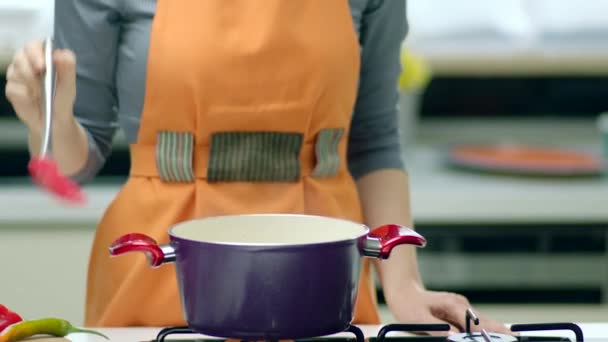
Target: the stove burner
pixel 160 337
pixel 466 337
pixel 483 336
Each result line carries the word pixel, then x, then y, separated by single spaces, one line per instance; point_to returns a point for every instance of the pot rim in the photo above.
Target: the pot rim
pixel 365 231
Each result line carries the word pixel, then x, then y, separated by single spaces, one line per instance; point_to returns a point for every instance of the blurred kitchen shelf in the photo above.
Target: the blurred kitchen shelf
pixel 443 195
pixel 497 57
pixel 545 129
pixel 440 195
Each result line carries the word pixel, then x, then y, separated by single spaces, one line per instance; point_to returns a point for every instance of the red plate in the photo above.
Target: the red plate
pixel 525 160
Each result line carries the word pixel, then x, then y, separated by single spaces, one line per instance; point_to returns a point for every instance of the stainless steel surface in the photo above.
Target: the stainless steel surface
pixel 485 335
pixel 49 83
pixel 471 316
pixel 371 247
pixel 169 253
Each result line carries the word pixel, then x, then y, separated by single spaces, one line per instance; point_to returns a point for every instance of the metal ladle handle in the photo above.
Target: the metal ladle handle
pixel 48 89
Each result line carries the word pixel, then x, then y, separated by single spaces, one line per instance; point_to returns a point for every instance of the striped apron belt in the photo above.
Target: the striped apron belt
pixel 239 156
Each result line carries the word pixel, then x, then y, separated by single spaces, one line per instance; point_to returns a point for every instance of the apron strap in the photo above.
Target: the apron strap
pixel 327 154
pixel 255 157
pixel 174 156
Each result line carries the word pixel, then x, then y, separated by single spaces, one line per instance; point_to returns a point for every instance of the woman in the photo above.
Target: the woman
pixel 316 75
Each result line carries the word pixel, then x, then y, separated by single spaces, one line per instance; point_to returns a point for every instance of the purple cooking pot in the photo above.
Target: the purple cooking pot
pixel 255 277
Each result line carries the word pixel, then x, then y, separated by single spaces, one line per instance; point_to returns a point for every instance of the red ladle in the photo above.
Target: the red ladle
pixel 43 169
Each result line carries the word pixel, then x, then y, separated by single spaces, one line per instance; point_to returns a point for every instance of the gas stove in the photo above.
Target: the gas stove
pixel 407 333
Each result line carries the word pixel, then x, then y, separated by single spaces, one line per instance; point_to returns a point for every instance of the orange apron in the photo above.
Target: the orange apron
pixel 247 110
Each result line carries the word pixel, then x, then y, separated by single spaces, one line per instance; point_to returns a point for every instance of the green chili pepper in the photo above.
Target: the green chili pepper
pixel 55 327
pixel 8 317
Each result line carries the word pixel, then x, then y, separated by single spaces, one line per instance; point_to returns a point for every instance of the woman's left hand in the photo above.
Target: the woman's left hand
pixel 383 200
pixel 416 305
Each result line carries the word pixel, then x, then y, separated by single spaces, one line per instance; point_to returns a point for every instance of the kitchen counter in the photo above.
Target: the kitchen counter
pixel 439 194
pixel 592 332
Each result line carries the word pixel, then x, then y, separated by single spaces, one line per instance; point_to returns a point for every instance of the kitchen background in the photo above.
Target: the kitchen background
pixel 486 71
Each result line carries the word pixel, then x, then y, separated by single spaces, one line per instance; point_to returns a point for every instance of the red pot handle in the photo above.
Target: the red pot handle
pixel 392 235
pixel 136 242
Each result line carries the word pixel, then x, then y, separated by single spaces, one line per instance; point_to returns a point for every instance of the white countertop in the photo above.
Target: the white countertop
pixel 591 331
pixel 438 196
pixel 442 195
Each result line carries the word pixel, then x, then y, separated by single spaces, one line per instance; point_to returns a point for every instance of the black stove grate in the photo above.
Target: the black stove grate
pixel 184 330
pixel 578 332
pixel 467 336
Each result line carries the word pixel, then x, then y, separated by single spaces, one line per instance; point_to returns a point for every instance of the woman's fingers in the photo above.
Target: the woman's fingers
pixel 430 319
pixel 34 52
pixel 16 92
pixel 23 87
pixel 65 62
pixel 20 97
pixel 24 72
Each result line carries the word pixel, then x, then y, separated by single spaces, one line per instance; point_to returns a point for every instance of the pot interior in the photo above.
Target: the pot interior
pixel 268 229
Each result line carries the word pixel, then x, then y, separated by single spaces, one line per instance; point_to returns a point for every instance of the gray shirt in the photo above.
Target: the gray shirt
pixel 110 39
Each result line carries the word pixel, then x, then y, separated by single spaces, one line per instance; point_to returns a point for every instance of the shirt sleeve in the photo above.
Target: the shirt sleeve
pixel 374 141
pixel 90 28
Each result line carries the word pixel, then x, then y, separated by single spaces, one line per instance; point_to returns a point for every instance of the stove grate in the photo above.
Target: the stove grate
pixel 184 330
pixel 467 336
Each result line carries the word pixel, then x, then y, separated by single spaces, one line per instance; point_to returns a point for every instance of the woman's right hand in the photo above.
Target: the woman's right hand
pixel 24 85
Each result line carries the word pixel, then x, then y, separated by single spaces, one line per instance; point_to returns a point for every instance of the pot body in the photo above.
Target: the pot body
pixel 267 292
pixel 268 277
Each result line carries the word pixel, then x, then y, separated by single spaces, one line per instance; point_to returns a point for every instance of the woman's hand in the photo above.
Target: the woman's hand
pixel 384 196
pixel 25 93
pixel 24 85
pixel 414 304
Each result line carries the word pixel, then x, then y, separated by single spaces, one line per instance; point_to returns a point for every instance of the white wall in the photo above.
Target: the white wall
pixel 22 21
pixel 43 269
pixel 506 19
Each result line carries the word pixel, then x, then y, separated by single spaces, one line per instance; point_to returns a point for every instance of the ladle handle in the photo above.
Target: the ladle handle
pixel 48 90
